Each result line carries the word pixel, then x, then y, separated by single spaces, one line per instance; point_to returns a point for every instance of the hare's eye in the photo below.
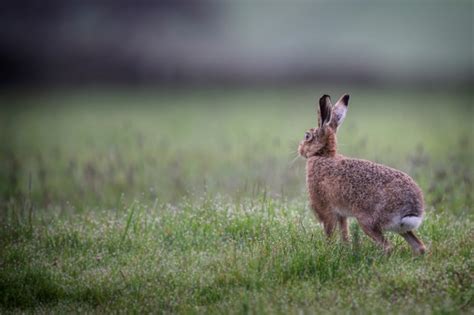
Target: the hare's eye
pixel 307 136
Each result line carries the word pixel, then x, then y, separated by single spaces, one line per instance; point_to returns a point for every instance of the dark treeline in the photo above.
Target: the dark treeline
pixel 183 42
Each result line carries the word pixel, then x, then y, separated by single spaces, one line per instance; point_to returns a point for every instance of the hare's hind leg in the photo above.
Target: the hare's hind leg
pixel 376 234
pixel 415 243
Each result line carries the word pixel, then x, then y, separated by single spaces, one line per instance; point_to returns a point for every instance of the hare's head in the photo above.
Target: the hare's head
pixel 321 141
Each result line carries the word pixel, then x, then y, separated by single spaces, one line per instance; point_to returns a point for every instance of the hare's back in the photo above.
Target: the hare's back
pixel 370 185
pixel 363 172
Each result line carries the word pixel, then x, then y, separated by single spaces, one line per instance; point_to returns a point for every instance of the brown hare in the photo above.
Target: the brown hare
pixel 379 197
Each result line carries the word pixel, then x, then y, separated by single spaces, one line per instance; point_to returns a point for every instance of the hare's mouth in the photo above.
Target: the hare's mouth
pixel 301 151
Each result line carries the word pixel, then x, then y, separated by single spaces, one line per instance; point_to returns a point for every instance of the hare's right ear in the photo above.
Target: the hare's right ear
pixel 339 112
pixel 324 112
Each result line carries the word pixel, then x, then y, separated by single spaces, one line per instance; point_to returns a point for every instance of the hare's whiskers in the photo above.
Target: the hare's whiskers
pixel 294 160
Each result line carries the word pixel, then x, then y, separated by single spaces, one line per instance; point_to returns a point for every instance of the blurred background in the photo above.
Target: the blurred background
pixel 236 42
pixel 102 101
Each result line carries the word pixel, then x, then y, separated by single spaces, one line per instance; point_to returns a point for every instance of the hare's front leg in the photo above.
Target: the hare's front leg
pixel 344 229
pixel 326 217
pixel 329 223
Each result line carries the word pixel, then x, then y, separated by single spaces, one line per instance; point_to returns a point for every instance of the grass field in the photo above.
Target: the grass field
pixel 190 201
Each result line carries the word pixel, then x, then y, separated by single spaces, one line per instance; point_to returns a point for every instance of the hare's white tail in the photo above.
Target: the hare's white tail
pixel 405 224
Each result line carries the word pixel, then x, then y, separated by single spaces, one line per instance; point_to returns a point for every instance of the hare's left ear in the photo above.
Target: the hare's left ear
pixel 339 112
pixel 324 112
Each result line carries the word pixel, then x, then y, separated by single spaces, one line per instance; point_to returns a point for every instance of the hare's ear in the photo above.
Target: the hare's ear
pixel 339 112
pixel 324 113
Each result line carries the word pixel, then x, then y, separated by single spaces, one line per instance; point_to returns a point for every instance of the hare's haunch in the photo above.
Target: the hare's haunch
pixel 379 197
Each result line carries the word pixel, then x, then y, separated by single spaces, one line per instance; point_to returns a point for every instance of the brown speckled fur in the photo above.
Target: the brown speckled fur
pixel 341 187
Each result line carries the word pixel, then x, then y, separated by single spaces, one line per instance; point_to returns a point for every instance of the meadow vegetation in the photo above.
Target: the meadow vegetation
pixel 192 201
